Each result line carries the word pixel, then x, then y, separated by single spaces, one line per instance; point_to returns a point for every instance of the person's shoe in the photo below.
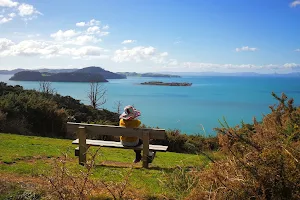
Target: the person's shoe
pixel 137 159
pixel 151 156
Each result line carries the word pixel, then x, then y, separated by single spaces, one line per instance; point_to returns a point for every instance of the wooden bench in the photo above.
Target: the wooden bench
pixel 94 130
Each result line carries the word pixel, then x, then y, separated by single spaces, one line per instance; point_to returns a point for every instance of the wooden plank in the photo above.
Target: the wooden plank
pixel 113 144
pixel 145 148
pixel 82 145
pixel 96 129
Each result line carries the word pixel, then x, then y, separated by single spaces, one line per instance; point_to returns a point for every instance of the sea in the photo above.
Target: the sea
pixel 196 109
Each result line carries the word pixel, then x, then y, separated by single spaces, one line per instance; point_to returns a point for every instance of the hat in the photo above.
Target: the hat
pixel 130 113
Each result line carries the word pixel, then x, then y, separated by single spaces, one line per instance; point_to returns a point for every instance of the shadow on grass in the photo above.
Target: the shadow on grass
pixel 116 165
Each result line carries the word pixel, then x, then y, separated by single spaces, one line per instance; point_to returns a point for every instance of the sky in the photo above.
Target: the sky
pixel 260 36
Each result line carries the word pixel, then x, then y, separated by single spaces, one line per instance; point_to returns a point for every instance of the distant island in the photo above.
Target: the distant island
pixel 59 77
pixel 88 74
pixel 166 84
pixel 98 70
pixel 148 75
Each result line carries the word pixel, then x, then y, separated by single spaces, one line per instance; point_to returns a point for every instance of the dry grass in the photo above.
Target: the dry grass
pixel 262 159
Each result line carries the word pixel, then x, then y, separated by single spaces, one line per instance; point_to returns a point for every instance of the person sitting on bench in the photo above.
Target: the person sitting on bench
pixel 129 119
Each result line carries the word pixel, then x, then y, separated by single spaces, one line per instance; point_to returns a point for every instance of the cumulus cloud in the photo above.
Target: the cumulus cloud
pixel 106 27
pixel 95 30
pixel 135 54
pixel 9 17
pixel 8 3
pixel 62 35
pixel 83 40
pixel 128 41
pixel 246 48
pixel 92 34
pixel 47 49
pixel 4 20
pixel 92 22
pixel 5 44
pixel 291 65
pixel 26 10
pixel 141 53
pixel 12 15
pixel 164 54
pixel 295 3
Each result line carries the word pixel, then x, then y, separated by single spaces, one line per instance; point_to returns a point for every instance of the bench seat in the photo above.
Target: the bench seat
pixel 113 144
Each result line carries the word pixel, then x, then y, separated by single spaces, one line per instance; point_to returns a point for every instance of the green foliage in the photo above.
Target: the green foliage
pixel 33 112
pixel 183 143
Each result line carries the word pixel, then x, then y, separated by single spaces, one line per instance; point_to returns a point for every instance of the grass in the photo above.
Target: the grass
pixel 30 156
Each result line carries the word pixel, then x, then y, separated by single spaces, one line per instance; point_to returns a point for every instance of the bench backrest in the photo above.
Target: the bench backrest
pixel 96 129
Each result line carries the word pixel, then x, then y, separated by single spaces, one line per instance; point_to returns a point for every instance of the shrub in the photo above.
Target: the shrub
pixel 262 159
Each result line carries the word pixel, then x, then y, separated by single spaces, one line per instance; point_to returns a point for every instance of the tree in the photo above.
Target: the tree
pixel 45 87
pixel 118 106
pixel 97 94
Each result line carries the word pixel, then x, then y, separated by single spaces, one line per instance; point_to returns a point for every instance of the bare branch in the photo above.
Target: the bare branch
pixel 97 94
pixel 46 88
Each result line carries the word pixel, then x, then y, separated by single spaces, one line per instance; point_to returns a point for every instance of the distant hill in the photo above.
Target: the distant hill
pixel 59 77
pixel 147 74
pixel 57 70
pixel 237 74
pixel 11 71
pixel 98 70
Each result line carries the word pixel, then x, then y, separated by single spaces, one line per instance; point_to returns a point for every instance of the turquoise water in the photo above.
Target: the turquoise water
pixel 188 108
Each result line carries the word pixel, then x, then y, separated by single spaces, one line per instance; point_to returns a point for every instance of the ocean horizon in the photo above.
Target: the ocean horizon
pixel 194 109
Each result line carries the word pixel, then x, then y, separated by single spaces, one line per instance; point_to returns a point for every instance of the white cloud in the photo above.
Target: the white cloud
pixel 5 20
pixel 83 39
pixel 30 48
pixel 5 44
pixel 33 35
pixel 106 27
pixel 291 65
pixel 246 48
pixel 46 49
pixel 92 22
pixel 135 54
pixel 297 50
pixel 86 52
pixel 295 3
pixel 63 35
pixel 9 17
pixel 128 41
pixel 27 10
pixel 141 53
pixel 93 30
pixel 8 3
pixel 214 67
pixel 164 54
pixel 80 24
pixel 12 15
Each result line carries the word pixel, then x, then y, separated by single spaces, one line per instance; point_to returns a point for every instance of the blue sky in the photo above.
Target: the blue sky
pixel 152 35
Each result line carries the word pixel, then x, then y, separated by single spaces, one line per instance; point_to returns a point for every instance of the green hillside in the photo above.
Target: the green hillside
pixel 24 157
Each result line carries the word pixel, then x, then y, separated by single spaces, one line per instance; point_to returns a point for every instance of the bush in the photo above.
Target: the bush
pixel 31 112
pixel 262 159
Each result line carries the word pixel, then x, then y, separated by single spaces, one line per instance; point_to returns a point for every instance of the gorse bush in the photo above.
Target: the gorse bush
pixel 183 143
pixel 262 159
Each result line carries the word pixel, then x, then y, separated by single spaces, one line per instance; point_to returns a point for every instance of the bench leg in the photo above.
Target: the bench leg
pixel 145 149
pixel 82 145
